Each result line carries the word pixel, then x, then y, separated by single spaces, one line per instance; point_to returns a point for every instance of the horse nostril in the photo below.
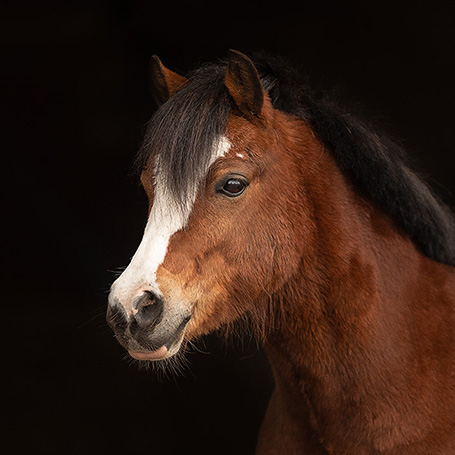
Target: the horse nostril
pixel 149 308
pixel 152 298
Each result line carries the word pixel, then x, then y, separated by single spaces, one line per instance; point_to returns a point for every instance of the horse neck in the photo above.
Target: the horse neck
pixel 353 314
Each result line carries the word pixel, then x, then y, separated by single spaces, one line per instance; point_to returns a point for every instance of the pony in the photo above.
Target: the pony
pixel 271 205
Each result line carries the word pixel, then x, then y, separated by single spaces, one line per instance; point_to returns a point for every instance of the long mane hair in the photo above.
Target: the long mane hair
pixel 183 131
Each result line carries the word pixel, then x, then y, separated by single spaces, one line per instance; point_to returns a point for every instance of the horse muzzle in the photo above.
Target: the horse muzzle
pixel 153 330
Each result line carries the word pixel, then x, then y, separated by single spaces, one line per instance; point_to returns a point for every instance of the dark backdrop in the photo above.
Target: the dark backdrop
pixel 75 101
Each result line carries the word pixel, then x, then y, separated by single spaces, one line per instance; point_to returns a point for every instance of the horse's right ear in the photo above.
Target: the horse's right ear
pixel 244 85
pixel 164 82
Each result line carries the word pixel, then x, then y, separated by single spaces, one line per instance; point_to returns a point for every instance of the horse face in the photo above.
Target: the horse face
pixel 197 270
pixel 221 256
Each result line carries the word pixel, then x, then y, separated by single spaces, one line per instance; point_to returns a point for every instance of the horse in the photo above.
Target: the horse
pixel 273 209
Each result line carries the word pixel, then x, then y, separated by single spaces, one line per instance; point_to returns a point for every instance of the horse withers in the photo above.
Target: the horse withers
pixel 272 206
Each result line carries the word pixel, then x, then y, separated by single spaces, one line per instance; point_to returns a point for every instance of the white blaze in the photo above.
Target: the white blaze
pixel 165 219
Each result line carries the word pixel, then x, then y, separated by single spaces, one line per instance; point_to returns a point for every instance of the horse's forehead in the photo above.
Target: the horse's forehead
pixel 239 135
pixel 239 130
pixel 242 134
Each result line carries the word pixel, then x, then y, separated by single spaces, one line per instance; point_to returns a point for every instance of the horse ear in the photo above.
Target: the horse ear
pixel 243 83
pixel 164 82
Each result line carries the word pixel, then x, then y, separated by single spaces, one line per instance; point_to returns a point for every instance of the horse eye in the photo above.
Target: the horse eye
pixel 234 187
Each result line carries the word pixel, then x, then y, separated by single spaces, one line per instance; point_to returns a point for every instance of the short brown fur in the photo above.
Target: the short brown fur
pixel 358 325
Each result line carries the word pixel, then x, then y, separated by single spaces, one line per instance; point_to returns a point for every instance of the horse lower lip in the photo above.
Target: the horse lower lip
pixel 160 353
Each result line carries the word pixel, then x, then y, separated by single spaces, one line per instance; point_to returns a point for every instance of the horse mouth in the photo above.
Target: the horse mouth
pixel 158 354
pixel 161 342
pixel 158 351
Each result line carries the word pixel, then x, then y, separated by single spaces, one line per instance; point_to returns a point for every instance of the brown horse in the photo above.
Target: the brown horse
pixel 272 206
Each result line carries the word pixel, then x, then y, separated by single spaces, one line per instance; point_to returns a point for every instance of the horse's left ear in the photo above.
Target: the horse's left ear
pixel 244 85
pixel 164 82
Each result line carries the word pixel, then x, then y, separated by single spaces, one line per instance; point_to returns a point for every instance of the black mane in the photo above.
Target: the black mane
pixel 196 116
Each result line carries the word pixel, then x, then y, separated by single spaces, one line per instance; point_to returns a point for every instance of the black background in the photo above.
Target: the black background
pixel 75 102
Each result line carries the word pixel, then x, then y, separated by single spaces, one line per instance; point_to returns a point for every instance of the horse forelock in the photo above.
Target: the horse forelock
pixel 186 134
